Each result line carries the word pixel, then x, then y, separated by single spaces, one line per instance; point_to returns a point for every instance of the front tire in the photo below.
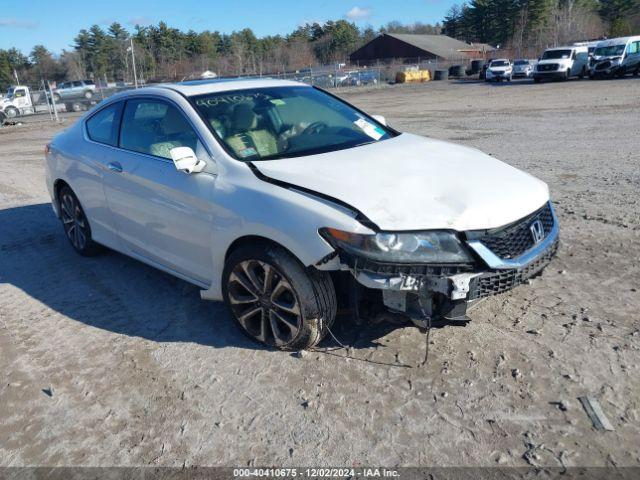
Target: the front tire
pixel 276 300
pixel 75 224
pixel 11 112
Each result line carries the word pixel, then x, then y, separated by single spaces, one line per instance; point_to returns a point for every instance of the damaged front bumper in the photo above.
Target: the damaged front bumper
pixel 430 292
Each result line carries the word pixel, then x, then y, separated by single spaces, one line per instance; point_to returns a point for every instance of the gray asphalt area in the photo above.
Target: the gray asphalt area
pixel 106 361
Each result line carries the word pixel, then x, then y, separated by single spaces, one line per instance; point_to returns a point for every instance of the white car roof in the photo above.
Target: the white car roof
pixel 200 87
pixel 583 48
pixel 617 41
pixel 500 60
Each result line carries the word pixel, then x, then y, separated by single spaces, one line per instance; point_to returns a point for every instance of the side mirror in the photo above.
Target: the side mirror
pixel 380 119
pixel 186 161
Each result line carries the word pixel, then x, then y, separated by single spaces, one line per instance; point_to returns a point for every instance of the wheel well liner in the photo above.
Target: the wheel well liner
pixel 255 240
pixel 57 186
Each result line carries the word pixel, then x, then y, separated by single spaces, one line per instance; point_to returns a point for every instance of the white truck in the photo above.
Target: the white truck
pixel 562 63
pixel 615 57
pixel 17 102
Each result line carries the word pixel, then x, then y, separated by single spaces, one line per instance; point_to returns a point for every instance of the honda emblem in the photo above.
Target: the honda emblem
pixel 537 231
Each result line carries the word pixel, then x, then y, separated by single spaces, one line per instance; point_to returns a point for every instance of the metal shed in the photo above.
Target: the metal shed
pixel 441 47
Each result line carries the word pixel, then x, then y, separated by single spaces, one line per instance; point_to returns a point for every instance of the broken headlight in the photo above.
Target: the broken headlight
pixel 436 246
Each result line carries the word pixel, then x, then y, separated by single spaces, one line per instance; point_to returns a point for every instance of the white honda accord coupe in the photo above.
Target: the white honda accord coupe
pixel 283 200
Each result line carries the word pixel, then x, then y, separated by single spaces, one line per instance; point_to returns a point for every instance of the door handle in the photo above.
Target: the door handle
pixel 115 167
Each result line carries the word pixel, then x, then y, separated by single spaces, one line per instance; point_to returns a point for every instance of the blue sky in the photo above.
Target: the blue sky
pixel 54 24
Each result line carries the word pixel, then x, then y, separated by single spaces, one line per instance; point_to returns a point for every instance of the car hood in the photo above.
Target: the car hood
pixel 553 61
pixel 499 69
pixel 414 183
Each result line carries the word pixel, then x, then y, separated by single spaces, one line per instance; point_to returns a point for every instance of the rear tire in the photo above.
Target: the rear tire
pixel 75 224
pixel 276 300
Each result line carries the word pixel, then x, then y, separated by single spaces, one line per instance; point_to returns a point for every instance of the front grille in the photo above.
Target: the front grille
pixel 362 264
pixel 548 67
pixel 499 281
pixel 603 65
pixel 515 239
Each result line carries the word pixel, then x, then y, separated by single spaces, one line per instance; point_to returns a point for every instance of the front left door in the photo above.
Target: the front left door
pixel 162 216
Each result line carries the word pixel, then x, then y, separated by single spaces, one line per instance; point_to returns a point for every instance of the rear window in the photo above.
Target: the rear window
pixel 103 126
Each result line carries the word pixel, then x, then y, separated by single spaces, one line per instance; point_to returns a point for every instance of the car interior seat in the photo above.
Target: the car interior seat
pixel 247 136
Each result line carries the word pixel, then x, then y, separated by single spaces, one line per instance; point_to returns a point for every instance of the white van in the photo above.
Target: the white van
pixel 616 56
pixel 562 63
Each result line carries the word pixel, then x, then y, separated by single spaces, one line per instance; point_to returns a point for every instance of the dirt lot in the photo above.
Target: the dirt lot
pixel 108 362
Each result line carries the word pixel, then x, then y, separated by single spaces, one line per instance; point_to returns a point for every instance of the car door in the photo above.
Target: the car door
pixel 21 100
pixel 101 131
pixel 62 89
pixel 162 216
pixel 633 56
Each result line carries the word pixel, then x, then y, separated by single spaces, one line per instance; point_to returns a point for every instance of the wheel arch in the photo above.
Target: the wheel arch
pixel 254 240
pixel 57 186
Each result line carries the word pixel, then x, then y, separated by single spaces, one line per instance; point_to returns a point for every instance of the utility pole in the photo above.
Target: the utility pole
pixel 133 61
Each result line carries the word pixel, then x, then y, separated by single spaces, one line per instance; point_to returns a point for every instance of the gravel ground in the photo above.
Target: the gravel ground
pixel 108 362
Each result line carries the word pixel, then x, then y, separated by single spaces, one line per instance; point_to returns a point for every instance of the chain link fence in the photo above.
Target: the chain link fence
pixel 81 95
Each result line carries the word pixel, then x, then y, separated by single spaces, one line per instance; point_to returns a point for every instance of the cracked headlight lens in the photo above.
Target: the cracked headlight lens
pixel 434 246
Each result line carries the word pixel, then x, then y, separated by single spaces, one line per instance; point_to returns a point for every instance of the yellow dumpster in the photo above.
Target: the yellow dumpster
pixel 413 76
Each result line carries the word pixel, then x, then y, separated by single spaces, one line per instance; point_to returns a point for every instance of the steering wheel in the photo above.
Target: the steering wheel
pixel 315 127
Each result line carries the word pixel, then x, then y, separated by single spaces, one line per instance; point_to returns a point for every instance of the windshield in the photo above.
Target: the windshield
pixel 610 51
pixel 555 54
pixel 282 122
pixel 499 63
pixel 10 93
pixel 521 62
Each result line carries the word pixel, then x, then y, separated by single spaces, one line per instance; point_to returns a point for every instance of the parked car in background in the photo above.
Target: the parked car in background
pixel 77 89
pixel 562 63
pixel 482 75
pixel 523 68
pixel 246 188
pixel 498 70
pixel 615 56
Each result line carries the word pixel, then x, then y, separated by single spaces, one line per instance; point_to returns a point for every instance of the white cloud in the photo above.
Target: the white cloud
pixel 14 23
pixel 358 13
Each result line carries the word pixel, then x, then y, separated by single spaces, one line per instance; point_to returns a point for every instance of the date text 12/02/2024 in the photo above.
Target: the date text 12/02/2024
pixel 316 472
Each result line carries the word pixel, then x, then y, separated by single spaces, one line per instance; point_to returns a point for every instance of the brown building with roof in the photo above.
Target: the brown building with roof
pixel 389 46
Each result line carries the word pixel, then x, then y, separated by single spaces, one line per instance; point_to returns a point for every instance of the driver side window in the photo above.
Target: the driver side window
pixel 154 127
